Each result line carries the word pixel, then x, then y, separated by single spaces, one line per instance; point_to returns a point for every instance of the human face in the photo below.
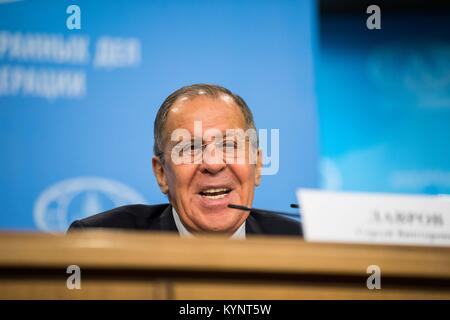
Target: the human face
pixel 189 185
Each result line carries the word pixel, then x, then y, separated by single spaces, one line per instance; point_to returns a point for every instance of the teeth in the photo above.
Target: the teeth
pixel 216 197
pixel 215 193
pixel 214 190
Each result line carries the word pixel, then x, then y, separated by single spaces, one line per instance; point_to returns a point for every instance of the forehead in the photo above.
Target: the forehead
pixel 219 113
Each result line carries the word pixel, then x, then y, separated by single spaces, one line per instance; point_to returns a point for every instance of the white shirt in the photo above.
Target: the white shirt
pixel 239 233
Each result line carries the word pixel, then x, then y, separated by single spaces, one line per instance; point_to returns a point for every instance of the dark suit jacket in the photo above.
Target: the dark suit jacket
pixel 160 218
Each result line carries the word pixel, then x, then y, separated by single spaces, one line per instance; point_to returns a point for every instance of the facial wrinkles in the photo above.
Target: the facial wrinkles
pixel 185 181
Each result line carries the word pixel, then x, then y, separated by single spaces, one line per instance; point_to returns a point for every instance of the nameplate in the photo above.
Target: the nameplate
pixel 376 218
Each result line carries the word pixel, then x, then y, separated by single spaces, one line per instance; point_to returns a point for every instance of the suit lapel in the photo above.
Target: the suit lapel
pixel 252 226
pixel 165 221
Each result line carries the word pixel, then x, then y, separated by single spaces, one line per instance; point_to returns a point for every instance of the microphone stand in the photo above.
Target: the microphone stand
pixel 292 215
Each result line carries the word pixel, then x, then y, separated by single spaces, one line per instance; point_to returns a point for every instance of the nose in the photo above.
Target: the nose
pixel 213 161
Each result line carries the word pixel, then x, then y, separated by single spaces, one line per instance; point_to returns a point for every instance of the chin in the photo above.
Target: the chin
pixel 219 226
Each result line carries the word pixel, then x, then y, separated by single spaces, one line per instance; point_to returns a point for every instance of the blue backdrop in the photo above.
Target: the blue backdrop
pixel 384 101
pixel 77 106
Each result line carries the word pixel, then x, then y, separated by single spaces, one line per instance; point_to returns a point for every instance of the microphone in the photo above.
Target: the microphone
pixel 239 207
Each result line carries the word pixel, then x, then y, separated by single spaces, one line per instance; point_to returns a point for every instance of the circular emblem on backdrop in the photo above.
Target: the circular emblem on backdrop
pixel 77 198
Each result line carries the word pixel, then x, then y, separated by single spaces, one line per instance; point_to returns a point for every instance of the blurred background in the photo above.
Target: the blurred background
pixel 356 109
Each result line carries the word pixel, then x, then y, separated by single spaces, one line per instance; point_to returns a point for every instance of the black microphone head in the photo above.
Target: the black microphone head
pixel 239 207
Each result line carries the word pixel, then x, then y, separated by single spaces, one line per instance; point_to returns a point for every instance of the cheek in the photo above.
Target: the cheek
pixel 179 177
pixel 245 173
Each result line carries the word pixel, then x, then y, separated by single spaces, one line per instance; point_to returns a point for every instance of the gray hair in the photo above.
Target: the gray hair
pixel 192 91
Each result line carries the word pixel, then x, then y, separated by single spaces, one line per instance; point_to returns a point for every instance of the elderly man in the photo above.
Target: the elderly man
pixel 206 157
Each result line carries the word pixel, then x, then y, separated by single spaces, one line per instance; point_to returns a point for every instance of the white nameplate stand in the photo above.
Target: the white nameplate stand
pixel 377 218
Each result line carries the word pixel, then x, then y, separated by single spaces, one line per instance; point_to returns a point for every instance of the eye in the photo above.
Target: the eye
pixel 191 147
pixel 183 148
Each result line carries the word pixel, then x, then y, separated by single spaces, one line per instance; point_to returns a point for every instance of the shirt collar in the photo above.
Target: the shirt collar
pixel 184 232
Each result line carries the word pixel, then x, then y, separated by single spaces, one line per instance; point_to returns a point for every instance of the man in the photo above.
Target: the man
pixel 206 157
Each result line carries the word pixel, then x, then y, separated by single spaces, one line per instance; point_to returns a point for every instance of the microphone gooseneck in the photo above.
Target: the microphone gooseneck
pixel 240 207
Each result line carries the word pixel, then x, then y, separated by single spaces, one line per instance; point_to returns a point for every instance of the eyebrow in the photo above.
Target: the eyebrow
pixel 193 140
pixel 223 132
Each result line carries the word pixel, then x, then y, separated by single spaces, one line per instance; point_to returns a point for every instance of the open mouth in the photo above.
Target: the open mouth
pixel 215 193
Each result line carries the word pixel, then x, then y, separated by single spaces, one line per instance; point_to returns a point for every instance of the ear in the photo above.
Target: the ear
pixel 158 171
pixel 259 164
